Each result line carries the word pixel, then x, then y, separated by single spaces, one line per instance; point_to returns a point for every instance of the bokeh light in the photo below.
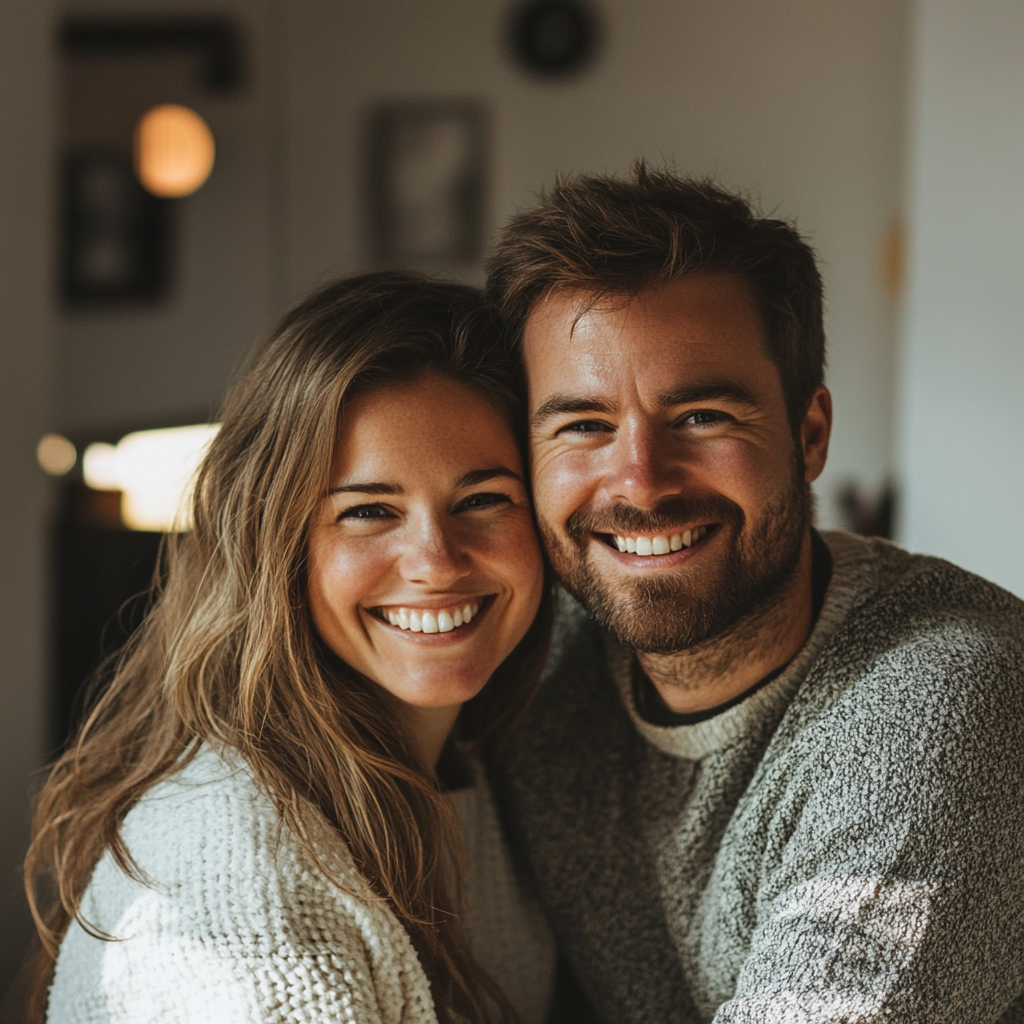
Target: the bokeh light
pixel 56 454
pixel 174 151
pixel 154 470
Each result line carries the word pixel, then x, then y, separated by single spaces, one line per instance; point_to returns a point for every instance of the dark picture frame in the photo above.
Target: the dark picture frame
pixel 427 182
pixel 115 234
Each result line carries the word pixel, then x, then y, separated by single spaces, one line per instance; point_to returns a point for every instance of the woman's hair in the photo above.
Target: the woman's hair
pixel 228 653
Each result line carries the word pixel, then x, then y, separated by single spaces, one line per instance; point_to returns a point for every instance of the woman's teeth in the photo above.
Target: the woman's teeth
pixel 440 620
pixel 660 545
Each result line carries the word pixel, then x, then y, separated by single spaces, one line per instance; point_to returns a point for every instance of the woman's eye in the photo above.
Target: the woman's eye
pixel 484 500
pixel 364 512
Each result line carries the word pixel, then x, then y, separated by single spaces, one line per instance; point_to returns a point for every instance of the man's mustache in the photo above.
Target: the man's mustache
pixel 669 516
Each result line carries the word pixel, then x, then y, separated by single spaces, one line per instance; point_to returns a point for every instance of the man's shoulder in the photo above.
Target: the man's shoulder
pixel 883 569
pixel 928 648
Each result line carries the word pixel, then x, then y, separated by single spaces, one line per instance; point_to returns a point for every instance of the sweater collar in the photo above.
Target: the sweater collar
pixel 854 576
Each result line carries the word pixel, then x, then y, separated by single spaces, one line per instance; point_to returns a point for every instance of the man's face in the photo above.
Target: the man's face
pixel 659 426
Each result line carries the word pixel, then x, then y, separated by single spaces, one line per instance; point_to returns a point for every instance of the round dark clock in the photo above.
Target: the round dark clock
pixel 553 37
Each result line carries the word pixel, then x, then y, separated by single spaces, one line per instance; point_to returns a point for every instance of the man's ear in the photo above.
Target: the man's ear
pixel 815 432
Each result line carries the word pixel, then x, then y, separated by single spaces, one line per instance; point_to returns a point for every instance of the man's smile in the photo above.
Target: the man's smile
pixel 648 545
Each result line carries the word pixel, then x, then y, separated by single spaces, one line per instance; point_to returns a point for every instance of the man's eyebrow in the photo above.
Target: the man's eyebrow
pixel 708 391
pixel 367 488
pixel 479 476
pixel 561 405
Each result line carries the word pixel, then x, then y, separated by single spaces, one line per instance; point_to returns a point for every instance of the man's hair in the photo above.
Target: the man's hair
pixel 614 236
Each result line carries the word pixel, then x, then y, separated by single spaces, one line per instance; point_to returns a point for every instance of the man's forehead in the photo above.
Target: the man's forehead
pixel 709 321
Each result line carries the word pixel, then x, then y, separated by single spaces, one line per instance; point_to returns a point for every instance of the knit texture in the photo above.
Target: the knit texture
pixel 238 925
pixel 845 846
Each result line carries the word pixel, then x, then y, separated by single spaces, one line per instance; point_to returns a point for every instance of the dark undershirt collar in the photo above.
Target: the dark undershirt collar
pixel 653 710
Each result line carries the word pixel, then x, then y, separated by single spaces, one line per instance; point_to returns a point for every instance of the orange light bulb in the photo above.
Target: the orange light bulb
pixel 174 151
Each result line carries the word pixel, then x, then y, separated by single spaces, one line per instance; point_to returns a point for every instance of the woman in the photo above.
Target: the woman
pixel 253 808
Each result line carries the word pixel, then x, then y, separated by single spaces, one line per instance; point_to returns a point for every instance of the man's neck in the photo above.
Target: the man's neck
pixel 762 642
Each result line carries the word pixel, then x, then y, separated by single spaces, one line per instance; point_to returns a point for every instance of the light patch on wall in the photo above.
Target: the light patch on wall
pixel 893 260
pixel 174 151
pixel 155 471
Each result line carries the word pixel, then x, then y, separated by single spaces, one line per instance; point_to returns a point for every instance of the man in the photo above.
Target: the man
pixel 773 776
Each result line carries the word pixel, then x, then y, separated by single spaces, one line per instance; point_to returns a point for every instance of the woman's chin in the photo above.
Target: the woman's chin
pixel 443 692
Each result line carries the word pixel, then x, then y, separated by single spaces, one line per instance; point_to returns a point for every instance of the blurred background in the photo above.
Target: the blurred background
pixel 173 175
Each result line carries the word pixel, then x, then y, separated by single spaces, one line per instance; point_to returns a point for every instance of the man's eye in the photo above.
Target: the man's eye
pixel 585 427
pixel 484 500
pixel 704 418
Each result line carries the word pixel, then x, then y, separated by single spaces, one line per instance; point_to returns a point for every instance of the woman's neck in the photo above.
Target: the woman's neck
pixel 429 729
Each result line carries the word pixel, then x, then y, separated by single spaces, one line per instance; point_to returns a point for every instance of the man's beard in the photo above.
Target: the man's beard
pixel 669 610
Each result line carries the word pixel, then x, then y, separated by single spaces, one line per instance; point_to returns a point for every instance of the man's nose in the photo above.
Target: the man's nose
pixel 433 556
pixel 644 468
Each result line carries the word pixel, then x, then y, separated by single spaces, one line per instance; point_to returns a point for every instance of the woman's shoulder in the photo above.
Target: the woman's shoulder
pixel 232 906
pixel 211 832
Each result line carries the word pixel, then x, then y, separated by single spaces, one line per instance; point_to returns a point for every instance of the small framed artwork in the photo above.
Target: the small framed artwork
pixel 115 232
pixel 427 183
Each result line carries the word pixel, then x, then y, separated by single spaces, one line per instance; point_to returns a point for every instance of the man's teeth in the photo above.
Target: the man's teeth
pixel 442 620
pixel 660 545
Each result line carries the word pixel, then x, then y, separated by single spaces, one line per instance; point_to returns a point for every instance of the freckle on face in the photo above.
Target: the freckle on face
pixel 421 547
pixel 747 479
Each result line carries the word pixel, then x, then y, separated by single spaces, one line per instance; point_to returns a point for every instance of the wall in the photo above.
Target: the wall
pixel 797 101
pixel 167 362
pixel 25 404
pixel 961 397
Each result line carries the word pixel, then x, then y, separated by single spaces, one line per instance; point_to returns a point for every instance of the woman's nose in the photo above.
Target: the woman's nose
pixel 434 557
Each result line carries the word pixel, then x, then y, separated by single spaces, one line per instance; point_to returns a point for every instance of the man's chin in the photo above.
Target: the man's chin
pixel 652 626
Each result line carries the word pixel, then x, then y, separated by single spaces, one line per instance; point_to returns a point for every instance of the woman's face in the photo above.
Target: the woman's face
pixel 424 567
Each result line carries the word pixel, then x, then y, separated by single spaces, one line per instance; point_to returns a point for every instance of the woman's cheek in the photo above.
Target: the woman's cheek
pixel 525 564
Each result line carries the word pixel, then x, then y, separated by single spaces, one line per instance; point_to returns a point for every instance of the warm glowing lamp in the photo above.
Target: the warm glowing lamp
pixel 154 470
pixel 174 151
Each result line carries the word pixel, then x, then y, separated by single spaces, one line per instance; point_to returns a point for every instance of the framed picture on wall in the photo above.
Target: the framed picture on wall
pixel 427 182
pixel 115 232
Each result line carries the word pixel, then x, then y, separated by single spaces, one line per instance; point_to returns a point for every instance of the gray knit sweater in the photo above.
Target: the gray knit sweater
pixel 846 845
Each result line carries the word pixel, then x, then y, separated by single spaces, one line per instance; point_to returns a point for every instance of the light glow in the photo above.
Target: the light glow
pixel 155 471
pixel 174 151
pixel 56 454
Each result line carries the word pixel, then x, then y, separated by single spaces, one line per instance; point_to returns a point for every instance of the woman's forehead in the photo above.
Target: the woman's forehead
pixel 430 428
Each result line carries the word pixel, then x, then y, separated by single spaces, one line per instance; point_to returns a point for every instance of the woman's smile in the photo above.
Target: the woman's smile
pixel 438 619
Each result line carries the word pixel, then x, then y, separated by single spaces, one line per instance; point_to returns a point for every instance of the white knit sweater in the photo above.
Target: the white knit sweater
pixel 239 926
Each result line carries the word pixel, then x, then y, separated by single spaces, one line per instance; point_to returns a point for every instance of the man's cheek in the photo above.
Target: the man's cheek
pixel 562 482
pixel 550 499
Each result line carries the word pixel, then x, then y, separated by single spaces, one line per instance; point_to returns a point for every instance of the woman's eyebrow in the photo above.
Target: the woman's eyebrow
pixel 367 488
pixel 479 476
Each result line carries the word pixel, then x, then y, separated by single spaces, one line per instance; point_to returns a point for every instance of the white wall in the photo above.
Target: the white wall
pixel 797 101
pixel 25 222
pixel 961 397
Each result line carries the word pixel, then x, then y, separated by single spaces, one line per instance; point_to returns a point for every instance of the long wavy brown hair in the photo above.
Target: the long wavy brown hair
pixel 228 653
